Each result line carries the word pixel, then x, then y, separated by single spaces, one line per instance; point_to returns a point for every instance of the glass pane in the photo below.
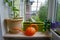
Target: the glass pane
pixel 36 10
pixel 58 11
pixel 17 2
pixel 14 8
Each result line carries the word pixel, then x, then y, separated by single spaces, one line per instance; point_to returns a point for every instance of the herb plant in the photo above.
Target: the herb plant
pixel 12 7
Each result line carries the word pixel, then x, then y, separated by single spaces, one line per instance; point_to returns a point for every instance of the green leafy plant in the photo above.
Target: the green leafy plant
pixel 13 8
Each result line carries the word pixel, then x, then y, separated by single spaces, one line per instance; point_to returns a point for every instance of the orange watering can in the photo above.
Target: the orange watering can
pixel 31 30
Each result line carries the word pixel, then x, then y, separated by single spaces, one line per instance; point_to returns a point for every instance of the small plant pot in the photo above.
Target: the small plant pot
pixel 13 23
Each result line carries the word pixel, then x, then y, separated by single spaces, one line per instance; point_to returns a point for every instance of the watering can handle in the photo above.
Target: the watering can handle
pixel 35 26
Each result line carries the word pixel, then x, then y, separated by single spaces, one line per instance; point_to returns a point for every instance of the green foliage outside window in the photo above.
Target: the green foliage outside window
pixel 43 11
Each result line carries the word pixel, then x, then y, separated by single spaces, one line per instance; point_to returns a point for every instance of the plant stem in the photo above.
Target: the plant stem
pixel 14 15
pixel 13 8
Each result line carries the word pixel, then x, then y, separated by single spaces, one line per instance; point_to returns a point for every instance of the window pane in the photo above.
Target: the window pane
pixel 17 2
pixel 58 11
pixel 36 10
pixel 14 10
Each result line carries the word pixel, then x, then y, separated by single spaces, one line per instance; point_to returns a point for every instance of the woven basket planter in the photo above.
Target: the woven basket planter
pixel 27 24
pixel 13 23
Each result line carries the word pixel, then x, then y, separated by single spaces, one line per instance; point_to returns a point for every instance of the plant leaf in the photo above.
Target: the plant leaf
pixel 6 0
pixel 10 3
pixel 15 9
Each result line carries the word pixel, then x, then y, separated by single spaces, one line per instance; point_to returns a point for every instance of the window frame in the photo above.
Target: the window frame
pixel 36 10
pixel 52 11
pixel 56 11
pixel 52 7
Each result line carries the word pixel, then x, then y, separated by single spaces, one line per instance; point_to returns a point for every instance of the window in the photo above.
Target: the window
pixel 36 10
pixel 58 11
pixel 18 4
pixel 14 8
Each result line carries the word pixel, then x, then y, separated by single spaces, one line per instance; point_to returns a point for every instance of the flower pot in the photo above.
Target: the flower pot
pixel 13 23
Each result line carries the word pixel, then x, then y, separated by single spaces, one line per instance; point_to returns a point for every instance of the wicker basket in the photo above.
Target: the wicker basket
pixel 11 23
pixel 40 25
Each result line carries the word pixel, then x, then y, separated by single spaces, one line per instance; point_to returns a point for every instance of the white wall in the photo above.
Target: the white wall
pixel 3 15
pixel 1 18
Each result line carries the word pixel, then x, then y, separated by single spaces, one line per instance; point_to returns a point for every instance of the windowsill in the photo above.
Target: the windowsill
pixel 38 34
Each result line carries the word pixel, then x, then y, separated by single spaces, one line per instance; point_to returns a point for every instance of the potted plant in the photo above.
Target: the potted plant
pixel 15 21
